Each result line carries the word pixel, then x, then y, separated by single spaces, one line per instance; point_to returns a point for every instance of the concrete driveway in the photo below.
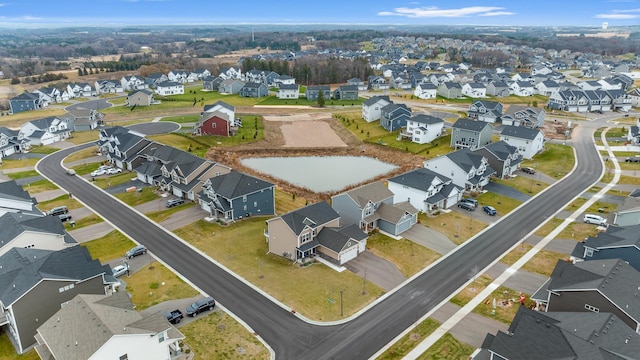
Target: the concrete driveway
pixel 429 238
pixel 184 217
pixel 376 269
pixel 507 191
pixel 91 232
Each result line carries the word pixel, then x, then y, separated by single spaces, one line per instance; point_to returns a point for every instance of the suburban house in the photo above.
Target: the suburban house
pixel 14 199
pixel 345 92
pixel 37 282
pixel 547 87
pixel 25 102
pixel 211 83
pixel 485 110
pixel 214 123
pixel 108 87
pixel 400 82
pixel 221 106
pixel 133 82
pixel 620 101
pixel 33 231
pixel 284 80
pixel 528 141
pixel 123 149
pixel 290 91
pixel 179 76
pixel 598 286
pixel 498 89
pixel 200 73
pixel 168 87
pixel 231 73
pixel 633 134
pixel 50 95
pixel 425 190
pixel 634 96
pixel 423 129
pixel 526 116
pixel 627 213
pixel 236 195
pixel 616 242
pixel 156 78
pixel 12 142
pixel 362 86
pixel 521 88
pixel 467 133
pixel 450 90
pixel 502 157
pixel 106 327
pixel 372 107
pixel 83 89
pixel 371 207
pixel 474 90
pixel 230 86
pixel 83 119
pixel 313 91
pixel 46 131
pixel 314 230
pixel 143 97
pixel 255 90
pixel 394 116
pixel 561 335
pixel 425 91
pixel 568 100
pixel 377 83
pixel 466 169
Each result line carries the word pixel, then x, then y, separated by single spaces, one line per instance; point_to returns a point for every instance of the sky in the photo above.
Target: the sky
pixel 62 13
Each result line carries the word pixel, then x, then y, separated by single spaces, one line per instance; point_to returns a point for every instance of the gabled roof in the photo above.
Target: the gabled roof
pixel 472 125
pixel 14 224
pixel 25 97
pixel 44 123
pixel 221 104
pixel 614 236
pixel 374 192
pixel 309 216
pixel 254 85
pixel 420 179
pixel 501 150
pixel 11 190
pixel 426 119
pixel 168 83
pixel 143 91
pixel 374 99
pixel 466 159
pixel 24 268
pixel 393 213
pixel 236 184
pixel 520 132
pixel 337 239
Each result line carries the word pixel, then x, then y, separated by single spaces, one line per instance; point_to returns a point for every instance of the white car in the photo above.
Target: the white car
pixel 119 270
pixel 113 171
pixel 104 167
pixel 99 172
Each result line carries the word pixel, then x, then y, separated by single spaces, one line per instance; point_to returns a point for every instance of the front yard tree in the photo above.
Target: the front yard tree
pixel 320 98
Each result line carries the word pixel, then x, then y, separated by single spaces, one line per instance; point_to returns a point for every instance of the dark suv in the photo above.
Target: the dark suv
pixel 174 316
pixel 632 159
pixel 136 251
pixel 174 202
pixel 199 306
pixel 466 205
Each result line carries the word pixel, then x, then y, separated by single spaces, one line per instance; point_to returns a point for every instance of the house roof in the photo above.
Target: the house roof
pixel 14 224
pixel 88 322
pixel 312 216
pixel 143 91
pixel 24 268
pixel 25 97
pixel 501 150
pixel 622 236
pixel 466 159
pixel 347 88
pixel 520 132
pixel 289 87
pixel 12 191
pixel 236 184
pixel 393 213
pixel 168 83
pixel 374 99
pixel 468 124
pixel 221 104
pixel 45 123
pixel 254 85
pixel 426 119
pixel 375 192
pixel 420 179
pixel 337 238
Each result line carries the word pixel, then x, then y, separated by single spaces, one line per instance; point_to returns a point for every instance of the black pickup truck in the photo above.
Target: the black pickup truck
pixel 174 316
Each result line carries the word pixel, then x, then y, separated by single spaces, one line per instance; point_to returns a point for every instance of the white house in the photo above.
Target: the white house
pixel 528 141
pixel 423 129
pixel 288 91
pixel 46 131
pixel 425 91
pixel 166 88
pixel 474 90
pixel 37 231
pixel 372 107
pixel 425 190
pixel 521 88
pixel 466 169
pixel 133 82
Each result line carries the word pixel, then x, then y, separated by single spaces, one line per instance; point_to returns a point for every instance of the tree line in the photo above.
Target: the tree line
pixel 314 71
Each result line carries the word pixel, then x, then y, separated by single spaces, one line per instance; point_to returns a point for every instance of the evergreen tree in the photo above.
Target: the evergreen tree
pixel 320 98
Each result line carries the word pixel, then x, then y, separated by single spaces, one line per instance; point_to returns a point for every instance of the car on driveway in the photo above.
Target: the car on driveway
pixel 473 202
pixel 99 172
pixel 466 205
pixel 119 270
pixel 113 171
pixel 174 202
pixel 490 210
pixel 174 316
pixel 136 251
pixel 64 217
pixel 201 305
pixel 632 159
pixel 529 170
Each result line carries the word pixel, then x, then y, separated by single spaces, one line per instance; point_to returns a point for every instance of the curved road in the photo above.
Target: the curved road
pixel 292 338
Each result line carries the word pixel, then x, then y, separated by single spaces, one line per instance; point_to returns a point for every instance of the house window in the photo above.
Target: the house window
pixel 305 237
pixel 588 252
pixel 255 204
pixel 213 125
pixel 66 288
pixel 591 308
pixel 244 198
pixel 161 338
pixel 245 207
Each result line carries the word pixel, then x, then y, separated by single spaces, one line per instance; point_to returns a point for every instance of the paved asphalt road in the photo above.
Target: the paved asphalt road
pixel 360 338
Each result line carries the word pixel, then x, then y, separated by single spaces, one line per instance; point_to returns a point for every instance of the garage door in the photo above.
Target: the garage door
pixel 349 254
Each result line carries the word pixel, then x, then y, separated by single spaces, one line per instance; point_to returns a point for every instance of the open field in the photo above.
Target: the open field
pixel 109 247
pixel 455 226
pixel 408 257
pixel 154 284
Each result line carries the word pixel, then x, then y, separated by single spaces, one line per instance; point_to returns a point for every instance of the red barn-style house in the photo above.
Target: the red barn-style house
pixel 214 123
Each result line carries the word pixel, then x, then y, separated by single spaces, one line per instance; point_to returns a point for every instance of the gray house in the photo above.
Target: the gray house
pixel 394 116
pixel 597 286
pixel 313 91
pixel 252 89
pixel 345 92
pixel 235 195
pixel 211 83
pixel 25 102
pixel 485 110
pixel 36 283
pixel 627 213
pixel 526 116
pixel 371 207
pixel 450 90
pixel 502 157
pixel 498 89
pixel 143 97
pixel 230 86
pixel 467 133
pixel 615 243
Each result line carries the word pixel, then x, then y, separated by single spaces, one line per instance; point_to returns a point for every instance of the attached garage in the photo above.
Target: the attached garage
pixel 349 253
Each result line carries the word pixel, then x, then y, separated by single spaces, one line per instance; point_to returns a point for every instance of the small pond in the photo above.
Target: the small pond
pixel 320 173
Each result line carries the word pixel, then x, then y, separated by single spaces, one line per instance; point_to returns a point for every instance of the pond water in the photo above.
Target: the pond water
pixel 320 173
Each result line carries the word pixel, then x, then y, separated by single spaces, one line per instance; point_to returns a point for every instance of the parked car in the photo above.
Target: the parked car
pixel 64 217
pixel 113 171
pixel 466 205
pixel 632 159
pixel 174 202
pixel 529 170
pixel 98 172
pixel 174 316
pixel 120 270
pixel 71 172
pixel 59 210
pixel 473 202
pixel 136 251
pixel 489 210
pixel 201 305
pixel 594 219
pixel 105 167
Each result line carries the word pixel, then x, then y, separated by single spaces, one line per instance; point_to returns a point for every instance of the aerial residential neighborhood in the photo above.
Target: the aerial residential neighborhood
pixel 278 192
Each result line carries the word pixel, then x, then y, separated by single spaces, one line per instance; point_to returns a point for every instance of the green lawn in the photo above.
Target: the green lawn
pixel 502 203
pixel 449 348
pixel 403 346
pixel 109 247
pixel 85 221
pixel 134 198
pixel 43 149
pixel 181 119
pixel 408 256
pixel 40 186
pixel 161 215
pixel 507 303
pixel 472 290
pixel 154 284
pixel 16 164
pixel 22 174
pixel 81 137
pixel 273 100
pixel 8 352
pixel 555 160
pixel 530 186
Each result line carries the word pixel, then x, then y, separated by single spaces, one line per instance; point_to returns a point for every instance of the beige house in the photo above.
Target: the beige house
pixel 141 97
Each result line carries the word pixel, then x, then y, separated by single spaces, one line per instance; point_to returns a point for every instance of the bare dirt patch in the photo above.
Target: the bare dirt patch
pixel 309 134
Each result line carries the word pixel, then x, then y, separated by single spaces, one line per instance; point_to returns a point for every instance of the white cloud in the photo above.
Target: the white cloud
pixel 620 14
pixel 432 12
